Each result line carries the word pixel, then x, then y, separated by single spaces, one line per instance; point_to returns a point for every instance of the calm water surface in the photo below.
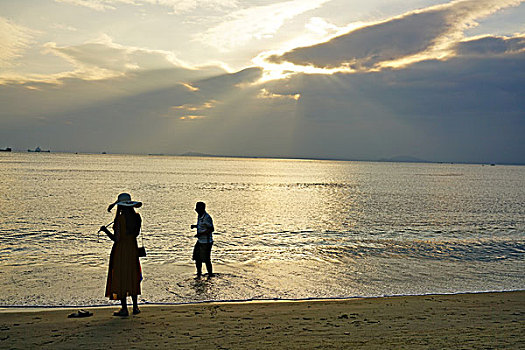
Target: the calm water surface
pixel 285 228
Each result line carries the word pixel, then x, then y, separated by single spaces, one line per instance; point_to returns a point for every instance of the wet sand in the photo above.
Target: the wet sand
pixel 463 321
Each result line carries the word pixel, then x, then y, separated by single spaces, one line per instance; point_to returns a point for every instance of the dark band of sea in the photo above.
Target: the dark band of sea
pixel 285 229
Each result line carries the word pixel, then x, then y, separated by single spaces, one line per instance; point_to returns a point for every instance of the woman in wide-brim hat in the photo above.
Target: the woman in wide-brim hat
pixel 124 273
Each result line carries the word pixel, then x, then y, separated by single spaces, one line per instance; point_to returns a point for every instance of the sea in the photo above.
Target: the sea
pixel 284 229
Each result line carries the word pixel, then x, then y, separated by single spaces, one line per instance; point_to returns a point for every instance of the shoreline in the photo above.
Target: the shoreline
pixel 38 308
pixel 474 320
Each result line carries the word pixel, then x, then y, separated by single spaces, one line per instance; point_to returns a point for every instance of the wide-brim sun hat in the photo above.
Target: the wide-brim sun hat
pixel 124 199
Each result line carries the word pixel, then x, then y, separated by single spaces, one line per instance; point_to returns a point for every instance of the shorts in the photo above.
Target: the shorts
pixel 202 252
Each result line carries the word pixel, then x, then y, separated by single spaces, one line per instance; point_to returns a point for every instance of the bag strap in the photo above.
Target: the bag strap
pixel 141 232
pixel 142 236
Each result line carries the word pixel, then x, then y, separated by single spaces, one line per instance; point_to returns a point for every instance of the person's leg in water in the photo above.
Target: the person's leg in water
pixel 198 265
pixel 136 309
pixel 197 258
pixel 209 266
pixel 124 310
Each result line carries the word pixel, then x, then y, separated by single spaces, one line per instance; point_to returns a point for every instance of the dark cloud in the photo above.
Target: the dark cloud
pixel 490 45
pixel 396 38
pixel 23 100
pixel 114 113
pixel 218 83
pixel 365 47
pixel 462 109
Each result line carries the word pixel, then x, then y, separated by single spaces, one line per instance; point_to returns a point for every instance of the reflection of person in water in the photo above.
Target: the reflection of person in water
pixel 124 274
pixel 202 249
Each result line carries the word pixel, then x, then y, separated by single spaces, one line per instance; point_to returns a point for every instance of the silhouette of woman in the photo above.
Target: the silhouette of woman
pixel 124 273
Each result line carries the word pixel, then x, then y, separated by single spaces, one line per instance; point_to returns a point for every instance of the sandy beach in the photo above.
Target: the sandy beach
pixel 462 321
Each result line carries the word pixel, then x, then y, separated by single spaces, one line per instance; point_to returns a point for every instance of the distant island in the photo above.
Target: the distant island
pixel 397 159
pixel 206 155
pixel 8 149
pixel 197 154
pixel 404 159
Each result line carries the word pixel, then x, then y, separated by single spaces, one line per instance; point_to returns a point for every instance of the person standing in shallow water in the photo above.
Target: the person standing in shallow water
pixel 124 273
pixel 202 249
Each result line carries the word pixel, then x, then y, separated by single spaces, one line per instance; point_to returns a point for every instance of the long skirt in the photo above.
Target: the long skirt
pixel 124 273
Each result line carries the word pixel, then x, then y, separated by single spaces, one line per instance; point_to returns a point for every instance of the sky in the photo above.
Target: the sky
pixel 337 79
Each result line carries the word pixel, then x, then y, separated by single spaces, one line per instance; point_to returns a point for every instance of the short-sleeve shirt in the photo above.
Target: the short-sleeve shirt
pixel 204 222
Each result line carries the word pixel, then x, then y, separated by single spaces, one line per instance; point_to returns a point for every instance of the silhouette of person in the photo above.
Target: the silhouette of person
pixel 124 273
pixel 202 249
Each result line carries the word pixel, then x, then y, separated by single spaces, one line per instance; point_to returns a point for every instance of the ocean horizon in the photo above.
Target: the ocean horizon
pixel 393 159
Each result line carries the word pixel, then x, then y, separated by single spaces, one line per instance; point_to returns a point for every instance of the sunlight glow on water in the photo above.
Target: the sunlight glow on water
pixel 285 228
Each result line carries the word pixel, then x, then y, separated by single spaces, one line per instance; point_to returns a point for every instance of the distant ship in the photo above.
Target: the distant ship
pixel 37 150
pixel 8 149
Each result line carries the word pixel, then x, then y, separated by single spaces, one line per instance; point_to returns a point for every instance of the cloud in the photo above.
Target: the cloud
pixel 190 87
pixel 98 5
pixel 238 79
pixel 192 111
pixel 466 108
pixel 412 37
pixel 14 39
pixel 265 94
pixel 490 45
pixel 320 26
pixel 100 59
pixel 182 6
pixel 111 113
pixel 104 54
pixel 192 117
pixel 194 107
pixel 255 23
pixel 64 27
pixel 157 89
pixel 160 92
pixel 176 6
pixel 118 98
